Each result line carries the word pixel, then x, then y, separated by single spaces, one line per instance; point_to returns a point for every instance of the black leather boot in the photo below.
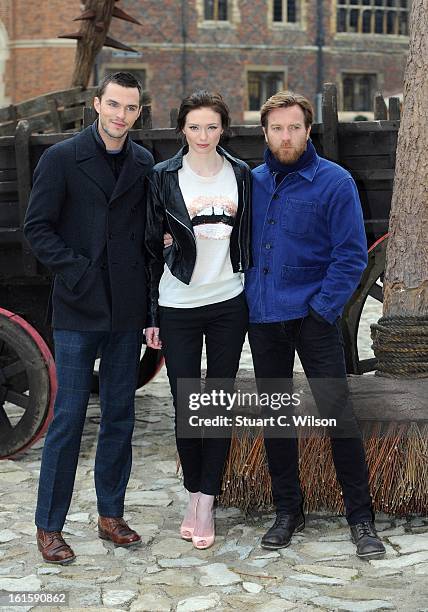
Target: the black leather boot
pixel 368 543
pixel 279 535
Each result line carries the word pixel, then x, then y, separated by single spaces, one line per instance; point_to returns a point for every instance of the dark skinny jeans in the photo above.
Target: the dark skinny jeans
pixel 182 331
pixel 320 348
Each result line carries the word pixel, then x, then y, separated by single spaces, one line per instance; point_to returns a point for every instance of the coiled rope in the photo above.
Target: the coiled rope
pixel 400 345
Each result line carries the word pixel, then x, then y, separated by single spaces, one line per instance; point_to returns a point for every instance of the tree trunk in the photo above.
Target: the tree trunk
pixel 94 32
pixel 406 275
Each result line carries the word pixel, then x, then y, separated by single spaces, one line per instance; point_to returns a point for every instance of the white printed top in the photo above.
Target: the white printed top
pixel 212 204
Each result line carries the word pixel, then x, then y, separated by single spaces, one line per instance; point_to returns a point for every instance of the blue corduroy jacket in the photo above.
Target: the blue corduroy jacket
pixel 308 243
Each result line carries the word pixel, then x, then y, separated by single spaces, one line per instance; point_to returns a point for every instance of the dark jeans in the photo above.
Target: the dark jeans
pixel 320 348
pixel 182 331
pixel 75 355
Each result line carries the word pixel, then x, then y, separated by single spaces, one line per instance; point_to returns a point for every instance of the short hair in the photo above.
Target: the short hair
pixel 124 79
pixel 204 99
pixel 284 99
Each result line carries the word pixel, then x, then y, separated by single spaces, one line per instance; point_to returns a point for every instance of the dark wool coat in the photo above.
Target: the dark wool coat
pixel 88 230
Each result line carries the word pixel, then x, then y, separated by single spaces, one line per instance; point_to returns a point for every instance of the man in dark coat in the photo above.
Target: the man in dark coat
pixel 85 222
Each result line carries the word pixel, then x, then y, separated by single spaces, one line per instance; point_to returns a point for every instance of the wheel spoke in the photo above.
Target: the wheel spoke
pixel 376 292
pixel 27 384
pixel 17 367
pixel 5 424
pixel 23 401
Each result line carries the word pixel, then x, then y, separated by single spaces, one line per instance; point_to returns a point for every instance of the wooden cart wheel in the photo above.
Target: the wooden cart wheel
pixel 370 288
pixel 150 364
pixel 27 384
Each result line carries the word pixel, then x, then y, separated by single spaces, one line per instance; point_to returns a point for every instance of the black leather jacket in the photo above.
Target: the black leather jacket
pixel 167 212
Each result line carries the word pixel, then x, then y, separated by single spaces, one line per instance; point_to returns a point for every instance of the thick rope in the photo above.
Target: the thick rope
pixel 400 345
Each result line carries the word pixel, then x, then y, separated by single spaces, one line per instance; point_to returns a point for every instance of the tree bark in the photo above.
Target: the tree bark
pixel 406 275
pixel 94 32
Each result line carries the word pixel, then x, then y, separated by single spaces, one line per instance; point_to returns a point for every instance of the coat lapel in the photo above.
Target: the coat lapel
pixel 92 164
pixel 131 172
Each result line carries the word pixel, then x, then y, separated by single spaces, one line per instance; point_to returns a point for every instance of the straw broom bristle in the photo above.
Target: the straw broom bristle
pixel 397 458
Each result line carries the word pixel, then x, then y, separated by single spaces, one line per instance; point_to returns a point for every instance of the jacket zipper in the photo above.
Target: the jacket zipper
pixel 240 224
pixel 181 223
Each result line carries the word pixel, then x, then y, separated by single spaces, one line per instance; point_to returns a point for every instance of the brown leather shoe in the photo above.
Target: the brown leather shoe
pixel 53 547
pixel 117 531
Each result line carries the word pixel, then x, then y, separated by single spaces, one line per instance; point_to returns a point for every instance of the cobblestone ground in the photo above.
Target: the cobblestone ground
pixel 319 571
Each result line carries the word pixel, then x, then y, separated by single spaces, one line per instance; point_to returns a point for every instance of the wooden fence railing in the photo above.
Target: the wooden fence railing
pixel 69 110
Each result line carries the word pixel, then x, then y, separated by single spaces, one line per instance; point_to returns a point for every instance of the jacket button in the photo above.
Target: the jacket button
pixel 265 270
pixel 268 246
pixel 110 236
pixel 275 196
pixel 271 222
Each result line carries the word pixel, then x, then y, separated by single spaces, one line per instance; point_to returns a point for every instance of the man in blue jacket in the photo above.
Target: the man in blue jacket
pixel 85 222
pixel 309 250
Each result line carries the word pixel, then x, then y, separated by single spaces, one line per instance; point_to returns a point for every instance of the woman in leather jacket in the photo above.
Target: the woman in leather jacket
pixel 201 197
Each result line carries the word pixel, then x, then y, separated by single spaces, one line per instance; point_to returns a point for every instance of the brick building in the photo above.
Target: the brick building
pixel 247 49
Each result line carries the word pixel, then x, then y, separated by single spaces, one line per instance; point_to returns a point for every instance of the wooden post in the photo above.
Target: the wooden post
pixel 23 175
pixel 380 110
pixel 146 117
pixel 173 114
pixel 330 141
pixel 89 116
pixel 394 109
pixel 138 123
pixel 54 114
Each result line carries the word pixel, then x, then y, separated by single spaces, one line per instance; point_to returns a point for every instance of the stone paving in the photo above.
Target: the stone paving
pixel 319 571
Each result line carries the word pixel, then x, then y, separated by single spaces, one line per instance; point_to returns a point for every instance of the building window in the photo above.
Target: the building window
pixel 358 91
pixel 215 10
pixel 373 16
pixel 284 11
pixel 262 85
